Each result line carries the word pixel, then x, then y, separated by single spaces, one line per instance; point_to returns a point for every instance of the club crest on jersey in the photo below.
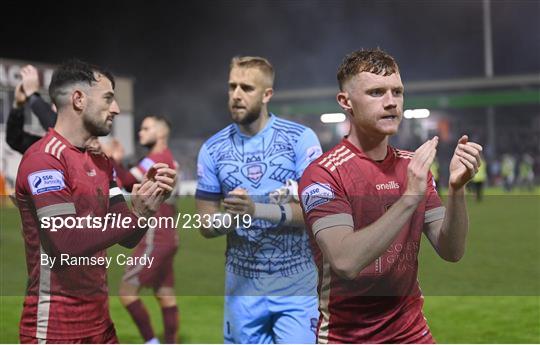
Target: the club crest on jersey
pixel 254 172
pixel 316 194
pixel 44 181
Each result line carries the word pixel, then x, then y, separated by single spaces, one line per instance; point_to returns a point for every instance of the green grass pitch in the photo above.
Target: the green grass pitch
pixel 491 296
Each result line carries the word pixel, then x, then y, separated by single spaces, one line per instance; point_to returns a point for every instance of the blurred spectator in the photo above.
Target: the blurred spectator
pixel 526 172
pixel 26 93
pixel 494 169
pixel 3 189
pixel 508 171
pixel 478 181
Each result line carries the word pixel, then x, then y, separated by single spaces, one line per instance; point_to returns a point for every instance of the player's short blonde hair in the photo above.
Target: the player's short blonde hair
pixel 374 61
pixel 255 62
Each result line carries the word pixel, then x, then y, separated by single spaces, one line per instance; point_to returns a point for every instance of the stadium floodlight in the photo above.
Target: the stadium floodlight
pixel 333 118
pixel 416 113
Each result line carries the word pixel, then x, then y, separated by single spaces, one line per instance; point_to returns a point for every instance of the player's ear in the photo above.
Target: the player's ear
pixel 78 99
pixel 268 93
pixel 344 101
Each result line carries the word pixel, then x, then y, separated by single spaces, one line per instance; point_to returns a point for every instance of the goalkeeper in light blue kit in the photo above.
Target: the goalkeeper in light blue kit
pixel 248 171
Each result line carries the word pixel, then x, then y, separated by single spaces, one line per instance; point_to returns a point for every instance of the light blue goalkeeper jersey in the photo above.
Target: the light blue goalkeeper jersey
pixel 260 164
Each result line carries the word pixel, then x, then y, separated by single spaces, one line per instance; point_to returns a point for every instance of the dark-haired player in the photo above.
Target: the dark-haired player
pixel 59 179
pixel 161 242
pixel 366 205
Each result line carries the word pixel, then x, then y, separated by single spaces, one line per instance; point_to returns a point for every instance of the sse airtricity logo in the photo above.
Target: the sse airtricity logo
pixel 37 182
pixel 46 181
pixel 316 194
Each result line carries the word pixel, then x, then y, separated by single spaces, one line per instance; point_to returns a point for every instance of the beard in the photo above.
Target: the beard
pixel 96 127
pixel 149 144
pixel 249 117
pixel 94 123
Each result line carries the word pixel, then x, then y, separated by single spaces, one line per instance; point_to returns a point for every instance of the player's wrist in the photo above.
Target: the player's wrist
pixel 412 198
pixel 143 212
pixel 219 226
pixel 30 91
pixel 453 189
pixel 277 214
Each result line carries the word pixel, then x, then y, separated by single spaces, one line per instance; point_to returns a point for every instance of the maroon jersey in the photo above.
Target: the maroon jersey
pixel 166 235
pixel 384 303
pixel 67 299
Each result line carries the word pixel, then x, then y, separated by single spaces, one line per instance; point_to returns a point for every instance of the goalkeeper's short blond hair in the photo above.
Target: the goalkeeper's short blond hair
pixel 258 62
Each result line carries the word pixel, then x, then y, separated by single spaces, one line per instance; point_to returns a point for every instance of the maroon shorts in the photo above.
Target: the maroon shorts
pixel 159 274
pixel 107 337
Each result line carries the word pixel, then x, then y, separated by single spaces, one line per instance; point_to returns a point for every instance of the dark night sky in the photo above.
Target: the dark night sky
pixel 179 52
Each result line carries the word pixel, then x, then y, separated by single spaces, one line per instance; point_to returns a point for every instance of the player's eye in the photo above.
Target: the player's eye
pixel 247 88
pixel 376 92
pixel 397 92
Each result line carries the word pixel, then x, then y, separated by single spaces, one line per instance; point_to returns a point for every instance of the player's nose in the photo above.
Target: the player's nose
pixel 237 92
pixel 389 101
pixel 114 109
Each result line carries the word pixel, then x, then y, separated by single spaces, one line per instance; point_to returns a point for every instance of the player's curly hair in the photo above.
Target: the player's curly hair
pixel 254 62
pixel 73 72
pixel 374 61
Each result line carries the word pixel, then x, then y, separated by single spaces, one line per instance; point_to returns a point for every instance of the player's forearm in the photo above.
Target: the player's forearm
pixel 206 207
pixel 453 234
pixel 289 214
pixel 297 215
pixel 361 248
pixel 88 241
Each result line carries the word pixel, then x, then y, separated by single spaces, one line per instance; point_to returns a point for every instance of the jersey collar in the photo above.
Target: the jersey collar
pixel 390 154
pixel 59 137
pixel 266 128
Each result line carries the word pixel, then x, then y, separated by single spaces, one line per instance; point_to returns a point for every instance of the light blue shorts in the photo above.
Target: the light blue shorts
pixel 272 309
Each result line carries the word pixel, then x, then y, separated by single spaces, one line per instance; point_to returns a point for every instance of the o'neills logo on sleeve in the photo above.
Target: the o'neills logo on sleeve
pixel 389 185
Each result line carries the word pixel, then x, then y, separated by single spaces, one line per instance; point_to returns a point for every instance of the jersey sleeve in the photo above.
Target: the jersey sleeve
pixel 435 210
pixel 142 167
pixel 208 186
pixel 323 199
pixel 307 150
pixel 136 173
pixel 45 180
